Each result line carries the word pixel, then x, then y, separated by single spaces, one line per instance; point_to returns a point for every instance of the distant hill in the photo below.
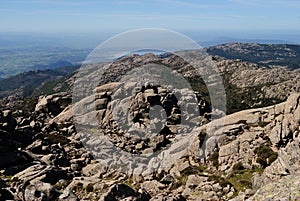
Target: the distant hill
pixel 53 65
pixel 25 83
pixel 267 55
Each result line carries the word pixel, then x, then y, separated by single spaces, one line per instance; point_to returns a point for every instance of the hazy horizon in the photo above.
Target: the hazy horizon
pixel 92 40
pixel 93 21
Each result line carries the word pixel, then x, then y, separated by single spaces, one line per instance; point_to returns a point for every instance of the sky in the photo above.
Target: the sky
pixel 187 16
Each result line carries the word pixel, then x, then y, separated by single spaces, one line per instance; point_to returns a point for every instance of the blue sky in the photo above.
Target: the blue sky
pixel 117 15
pixel 201 20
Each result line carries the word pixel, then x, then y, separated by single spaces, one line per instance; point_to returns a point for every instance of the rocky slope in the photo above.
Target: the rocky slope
pixel 248 85
pixel 43 157
pixel 64 150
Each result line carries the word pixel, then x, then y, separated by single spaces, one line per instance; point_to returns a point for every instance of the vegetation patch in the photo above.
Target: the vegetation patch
pixel 241 99
pixel 266 155
pixel 241 178
pixel 217 178
pixel 192 170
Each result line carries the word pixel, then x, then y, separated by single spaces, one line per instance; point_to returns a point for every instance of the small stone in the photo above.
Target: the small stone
pixel 139 145
pixel 75 167
pixel 6 113
pixel 182 164
pixel 45 148
pixel 217 187
pixel 194 180
pixel 148 151
pixel 226 189
pixel 230 194
pixel 248 192
pixel 206 187
pixel 32 124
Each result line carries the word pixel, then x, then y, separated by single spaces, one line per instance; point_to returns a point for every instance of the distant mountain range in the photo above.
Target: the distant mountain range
pixel 265 55
pixel 224 40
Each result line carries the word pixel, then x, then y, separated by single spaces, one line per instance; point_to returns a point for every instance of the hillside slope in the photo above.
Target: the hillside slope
pixel 44 156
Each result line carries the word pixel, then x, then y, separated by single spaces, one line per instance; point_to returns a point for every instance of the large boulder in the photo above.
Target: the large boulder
pixel 52 104
pixel 7 121
pixel 40 191
pixel 286 188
